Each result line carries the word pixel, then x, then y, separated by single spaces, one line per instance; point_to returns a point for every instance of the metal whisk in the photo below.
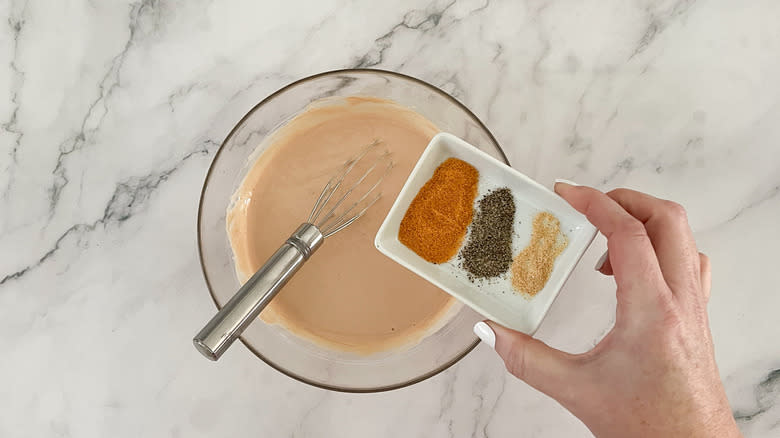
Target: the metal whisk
pixel 340 203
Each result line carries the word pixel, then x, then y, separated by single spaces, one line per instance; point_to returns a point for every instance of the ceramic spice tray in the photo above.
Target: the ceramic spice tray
pixel 493 298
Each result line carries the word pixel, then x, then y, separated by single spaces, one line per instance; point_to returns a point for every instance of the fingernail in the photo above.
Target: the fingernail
pixel 600 263
pixel 485 333
pixel 565 181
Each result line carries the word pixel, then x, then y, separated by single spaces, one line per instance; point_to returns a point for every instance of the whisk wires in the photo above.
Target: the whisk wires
pixel 336 210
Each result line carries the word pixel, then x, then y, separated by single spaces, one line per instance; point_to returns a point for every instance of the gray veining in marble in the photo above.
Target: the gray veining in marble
pixel 112 110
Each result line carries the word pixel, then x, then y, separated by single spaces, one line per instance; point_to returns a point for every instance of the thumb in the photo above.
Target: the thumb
pixel 550 371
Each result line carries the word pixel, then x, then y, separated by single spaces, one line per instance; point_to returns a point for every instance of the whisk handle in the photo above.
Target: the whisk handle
pixel 228 324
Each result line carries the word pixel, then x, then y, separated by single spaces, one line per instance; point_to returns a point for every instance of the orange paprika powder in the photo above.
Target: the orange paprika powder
pixel 437 219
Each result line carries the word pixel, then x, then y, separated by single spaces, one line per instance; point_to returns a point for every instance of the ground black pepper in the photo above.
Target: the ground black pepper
pixel 488 252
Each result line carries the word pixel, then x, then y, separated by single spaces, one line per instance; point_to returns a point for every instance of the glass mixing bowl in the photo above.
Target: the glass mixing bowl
pixel 295 357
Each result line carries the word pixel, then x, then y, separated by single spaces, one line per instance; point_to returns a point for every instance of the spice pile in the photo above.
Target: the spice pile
pixel 488 252
pixel 441 213
pixel 532 267
pixel 439 216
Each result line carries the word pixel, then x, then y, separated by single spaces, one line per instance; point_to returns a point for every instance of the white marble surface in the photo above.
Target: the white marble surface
pixel 111 111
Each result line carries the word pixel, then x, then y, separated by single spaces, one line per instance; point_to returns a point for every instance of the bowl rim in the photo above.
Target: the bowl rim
pixel 208 176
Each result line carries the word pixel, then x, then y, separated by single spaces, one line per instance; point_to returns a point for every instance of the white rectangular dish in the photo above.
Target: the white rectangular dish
pixel 495 299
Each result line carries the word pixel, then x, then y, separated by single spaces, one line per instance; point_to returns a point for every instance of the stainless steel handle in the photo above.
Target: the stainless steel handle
pixel 228 324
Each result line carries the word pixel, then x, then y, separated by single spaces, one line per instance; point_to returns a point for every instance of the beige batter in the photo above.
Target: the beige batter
pixel 347 296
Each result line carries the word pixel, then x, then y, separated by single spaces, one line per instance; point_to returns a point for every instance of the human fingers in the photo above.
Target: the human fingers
pixel 667 226
pixel 706 276
pixel 631 254
pixel 550 371
pixel 603 265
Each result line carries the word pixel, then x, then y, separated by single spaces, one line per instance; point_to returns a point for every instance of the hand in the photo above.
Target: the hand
pixel 654 373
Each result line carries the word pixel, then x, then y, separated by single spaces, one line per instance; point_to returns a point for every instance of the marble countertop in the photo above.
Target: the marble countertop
pixel 111 112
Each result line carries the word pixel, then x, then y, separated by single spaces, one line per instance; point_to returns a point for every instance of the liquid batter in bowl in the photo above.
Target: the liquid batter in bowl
pixel 348 296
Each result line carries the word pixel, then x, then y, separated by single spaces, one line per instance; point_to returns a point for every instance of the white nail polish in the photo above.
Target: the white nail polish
pixel 485 333
pixel 566 181
pixel 601 261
